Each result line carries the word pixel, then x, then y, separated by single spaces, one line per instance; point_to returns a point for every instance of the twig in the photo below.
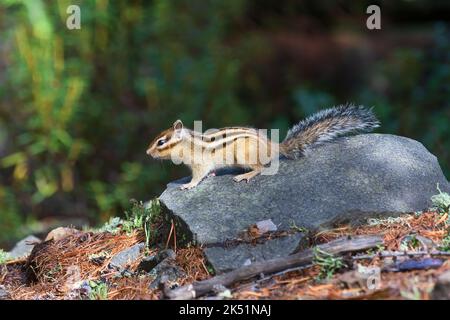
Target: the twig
pixel 170 235
pixel 16 261
pixel 386 254
pixel 273 275
pixel 339 246
pixel 174 237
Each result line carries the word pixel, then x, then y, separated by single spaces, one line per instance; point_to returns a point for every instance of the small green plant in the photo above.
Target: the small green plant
pixel 445 246
pixel 142 215
pixel 413 293
pixel 4 257
pixel 379 248
pixel 99 290
pixel 210 270
pixel 441 201
pixel 53 273
pixel 410 243
pixel 328 263
pixel 112 226
pixel 136 218
pixel 293 226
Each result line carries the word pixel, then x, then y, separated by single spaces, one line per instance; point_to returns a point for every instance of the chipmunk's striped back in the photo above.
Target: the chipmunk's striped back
pixel 232 146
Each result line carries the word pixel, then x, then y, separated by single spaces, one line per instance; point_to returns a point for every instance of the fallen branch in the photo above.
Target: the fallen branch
pixel 266 278
pixel 388 254
pixel 336 247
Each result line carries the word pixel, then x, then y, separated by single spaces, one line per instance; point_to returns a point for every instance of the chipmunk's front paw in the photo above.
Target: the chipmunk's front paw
pixel 188 186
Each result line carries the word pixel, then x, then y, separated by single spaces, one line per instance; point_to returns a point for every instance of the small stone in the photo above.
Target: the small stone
pixel 266 226
pixel 23 248
pixel 150 262
pixel 126 257
pixel 166 270
pixel 166 273
pixel 219 288
pixel 225 294
pixel 60 233
pixel 167 254
pixel 247 262
pixel 4 294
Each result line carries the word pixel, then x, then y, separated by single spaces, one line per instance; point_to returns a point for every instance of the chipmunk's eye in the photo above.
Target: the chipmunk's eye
pixel 161 142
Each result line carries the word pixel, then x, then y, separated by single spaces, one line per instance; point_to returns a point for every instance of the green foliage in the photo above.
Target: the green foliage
pixel 410 243
pixel 379 248
pixel 99 290
pixel 441 201
pixel 328 263
pixel 10 221
pixel 153 213
pixel 142 216
pixel 4 257
pixel 445 245
pixel 112 226
pixel 294 226
pixel 412 294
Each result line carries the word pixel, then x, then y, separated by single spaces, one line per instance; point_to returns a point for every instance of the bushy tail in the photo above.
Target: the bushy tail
pixel 325 126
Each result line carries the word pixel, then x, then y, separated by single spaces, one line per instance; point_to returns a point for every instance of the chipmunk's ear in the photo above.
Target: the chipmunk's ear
pixel 178 125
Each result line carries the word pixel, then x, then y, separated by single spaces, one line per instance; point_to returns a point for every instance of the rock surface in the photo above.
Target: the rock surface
pixel 4 294
pixel 24 247
pixel 60 233
pixel 147 264
pixel 126 257
pixel 166 270
pixel 225 259
pixel 350 180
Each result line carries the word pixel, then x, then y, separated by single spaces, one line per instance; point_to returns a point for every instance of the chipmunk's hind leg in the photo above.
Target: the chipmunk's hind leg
pixel 249 175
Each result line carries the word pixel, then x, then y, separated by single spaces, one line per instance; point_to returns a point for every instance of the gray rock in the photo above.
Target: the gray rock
pixel 165 271
pixel 266 226
pixel 148 263
pixel 349 180
pixel 24 247
pixel 4 294
pixel 228 258
pixel 126 257
pixel 441 290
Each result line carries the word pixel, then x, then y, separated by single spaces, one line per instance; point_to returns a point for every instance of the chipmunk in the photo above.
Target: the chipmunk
pixel 241 146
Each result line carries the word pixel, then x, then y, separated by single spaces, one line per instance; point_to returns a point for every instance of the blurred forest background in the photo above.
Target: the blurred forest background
pixel 79 107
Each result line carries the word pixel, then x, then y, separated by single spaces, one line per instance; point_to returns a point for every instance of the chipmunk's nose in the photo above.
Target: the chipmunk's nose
pixel 149 152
